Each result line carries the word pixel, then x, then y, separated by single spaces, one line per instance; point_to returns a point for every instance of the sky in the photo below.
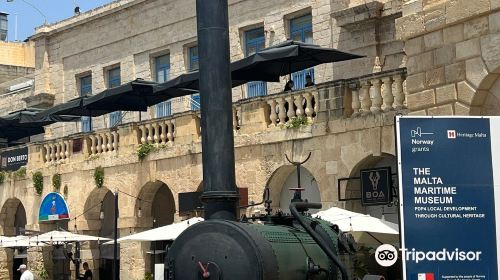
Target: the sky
pixel 28 17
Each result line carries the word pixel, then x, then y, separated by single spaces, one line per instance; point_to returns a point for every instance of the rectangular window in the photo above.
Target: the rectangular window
pixel 301 30
pixel 114 80
pixel 3 27
pixel 195 102
pixel 254 42
pixel 193 59
pixel 162 74
pixel 86 89
pixel 193 66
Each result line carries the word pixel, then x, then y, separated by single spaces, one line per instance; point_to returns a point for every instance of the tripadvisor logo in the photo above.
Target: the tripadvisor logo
pixel 442 255
pixel 386 255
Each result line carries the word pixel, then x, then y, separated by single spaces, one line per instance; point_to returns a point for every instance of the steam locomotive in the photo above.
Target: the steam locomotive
pixel 268 247
pixel 273 247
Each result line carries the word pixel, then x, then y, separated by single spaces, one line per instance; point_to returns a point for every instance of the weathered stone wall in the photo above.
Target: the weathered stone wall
pixel 452 49
pixel 11 72
pixel 13 100
pixel 17 54
pixel 132 33
pixel 337 145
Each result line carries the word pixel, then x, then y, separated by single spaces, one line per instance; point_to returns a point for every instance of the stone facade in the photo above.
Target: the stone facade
pixel 422 57
pixel 133 33
pixel 16 60
pixel 452 56
pixel 338 143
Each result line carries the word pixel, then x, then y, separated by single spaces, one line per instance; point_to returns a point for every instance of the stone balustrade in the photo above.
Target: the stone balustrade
pixel 288 105
pixel 372 94
pixel 377 93
pixel 56 151
pixel 159 131
pixel 103 142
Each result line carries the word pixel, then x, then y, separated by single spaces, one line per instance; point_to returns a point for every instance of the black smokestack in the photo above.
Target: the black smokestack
pixel 220 193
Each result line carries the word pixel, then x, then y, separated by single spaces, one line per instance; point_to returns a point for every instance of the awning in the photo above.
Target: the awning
pixel 283 59
pixel 364 228
pixel 65 236
pixel 19 241
pixel 268 65
pixel 169 232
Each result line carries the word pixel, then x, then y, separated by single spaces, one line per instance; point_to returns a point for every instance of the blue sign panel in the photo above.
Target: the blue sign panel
pixel 446 168
pixel 53 208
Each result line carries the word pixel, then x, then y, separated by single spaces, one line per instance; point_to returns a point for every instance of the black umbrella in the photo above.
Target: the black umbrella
pixel 283 59
pixel 73 107
pixel 32 115
pixel 185 84
pixel 13 130
pixel 132 96
pixel 25 123
pixel 266 65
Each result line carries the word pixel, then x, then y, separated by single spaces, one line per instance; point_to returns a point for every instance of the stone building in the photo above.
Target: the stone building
pixel 433 57
pixel 16 60
pixel 17 67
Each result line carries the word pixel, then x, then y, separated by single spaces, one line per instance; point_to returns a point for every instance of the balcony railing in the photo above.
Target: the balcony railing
pixel 158 131
pixel 103 142
pixel 353 98
pixel 285 106
pixel 377 93
pixel 57 150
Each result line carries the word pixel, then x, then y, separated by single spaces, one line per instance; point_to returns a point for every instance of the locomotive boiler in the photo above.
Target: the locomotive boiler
pixel 268 247
pixel 277 247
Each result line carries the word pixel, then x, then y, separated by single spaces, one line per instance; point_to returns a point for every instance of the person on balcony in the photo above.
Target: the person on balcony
pixel 309 81
pixel 289 86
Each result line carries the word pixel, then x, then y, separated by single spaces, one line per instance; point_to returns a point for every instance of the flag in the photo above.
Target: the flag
pixel 426 276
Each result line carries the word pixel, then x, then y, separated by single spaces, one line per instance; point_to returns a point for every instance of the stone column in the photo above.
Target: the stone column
pixel 376 96
pixel 387 95
pixel 356 104
pixel 399 96
pixel 365 98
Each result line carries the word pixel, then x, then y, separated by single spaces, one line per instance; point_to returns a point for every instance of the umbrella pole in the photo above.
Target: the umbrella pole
pixel 375 238
pixel 77 260
pixel 290 72
pixel 90 120
pixel 115 246
pixel 154 254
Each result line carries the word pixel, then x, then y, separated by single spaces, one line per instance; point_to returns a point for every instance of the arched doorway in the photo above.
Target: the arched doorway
pixel 353 188
pixel 13 221
pixel 100 214
pixel 157 206
pixel 387 212
pixel 285 178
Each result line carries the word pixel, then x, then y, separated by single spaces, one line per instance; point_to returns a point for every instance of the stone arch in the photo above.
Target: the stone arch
pixel 12 217
pixel 284 178
pixel 13 221
pixel 353 187
pixel 99 200
pixel 156 201
pixel 485 96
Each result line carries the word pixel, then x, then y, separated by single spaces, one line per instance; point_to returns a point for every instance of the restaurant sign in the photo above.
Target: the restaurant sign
pixel 53 208
pixel 14 159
